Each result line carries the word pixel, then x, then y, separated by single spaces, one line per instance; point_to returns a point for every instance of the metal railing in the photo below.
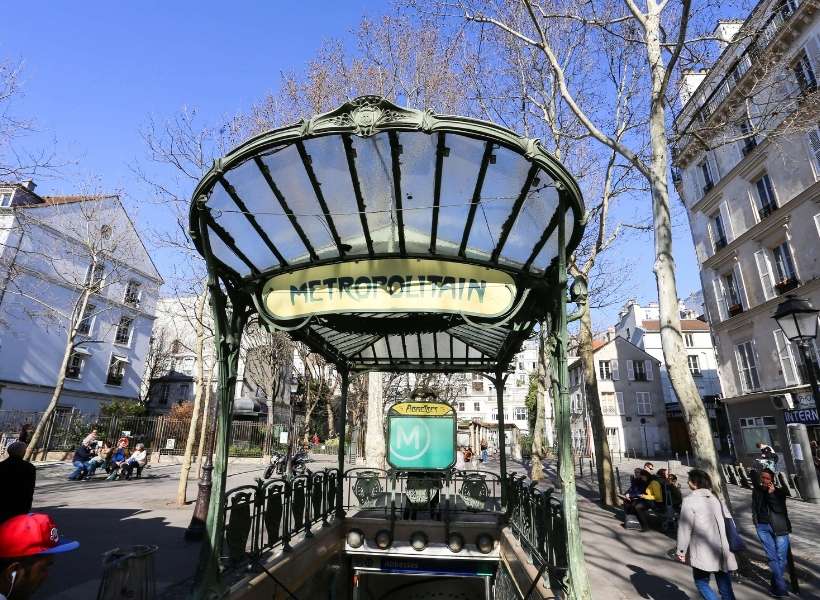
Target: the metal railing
pixel 537 521
pixel 262 517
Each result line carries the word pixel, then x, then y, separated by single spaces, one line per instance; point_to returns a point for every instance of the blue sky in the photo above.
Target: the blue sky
pixel 94 72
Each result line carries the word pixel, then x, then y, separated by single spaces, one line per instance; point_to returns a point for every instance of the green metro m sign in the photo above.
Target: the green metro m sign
pixel 421 436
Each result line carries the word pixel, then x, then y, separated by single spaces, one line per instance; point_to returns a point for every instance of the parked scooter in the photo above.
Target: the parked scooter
pixel 279 462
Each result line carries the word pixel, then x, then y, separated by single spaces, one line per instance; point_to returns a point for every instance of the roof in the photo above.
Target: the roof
pixel 686 325
pixel 373 204
pixel 68 199
pixel 620 339
pixel 598 343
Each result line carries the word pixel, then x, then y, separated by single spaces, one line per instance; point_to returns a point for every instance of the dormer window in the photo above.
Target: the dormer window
pixel 5 199
pixel 133 293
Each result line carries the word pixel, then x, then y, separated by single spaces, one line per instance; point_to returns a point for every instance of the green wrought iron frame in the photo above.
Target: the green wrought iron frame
pixel 234 298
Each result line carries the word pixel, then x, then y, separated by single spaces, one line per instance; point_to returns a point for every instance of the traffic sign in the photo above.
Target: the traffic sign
pixel 421 436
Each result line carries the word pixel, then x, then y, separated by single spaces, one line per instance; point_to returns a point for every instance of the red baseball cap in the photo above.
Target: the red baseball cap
pixel 33 534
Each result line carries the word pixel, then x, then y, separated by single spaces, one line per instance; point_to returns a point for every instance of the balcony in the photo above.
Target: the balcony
pixel 720 243
pixel 786 285
pixel 735 309
pixel 766 210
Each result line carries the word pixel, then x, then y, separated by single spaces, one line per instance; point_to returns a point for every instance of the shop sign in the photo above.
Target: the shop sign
pixel 421 436
pixel 806 416
pixel 390 285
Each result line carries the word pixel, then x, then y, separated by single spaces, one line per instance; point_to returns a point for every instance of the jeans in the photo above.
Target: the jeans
pixel 724 583
pixel 94 464
pixel 484 456
pixel 80 471
pixel 777 548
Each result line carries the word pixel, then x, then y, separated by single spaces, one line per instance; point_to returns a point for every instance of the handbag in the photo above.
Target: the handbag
pixel 736 543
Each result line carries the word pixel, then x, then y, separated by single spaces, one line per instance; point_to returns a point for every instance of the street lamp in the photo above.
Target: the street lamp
pixel 797 318
pixel 294 390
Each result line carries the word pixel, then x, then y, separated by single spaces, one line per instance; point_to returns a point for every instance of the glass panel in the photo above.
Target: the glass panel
pixel 501 188
pixel 547 254
pixel 381 349
pixel 228 215
pixel 459 349
pixel 427 349
pixel 367 352
pixel 226 255
pixel 443 344
pixel 418 172
pixel 395 347
pixel 330 166
pixel 374 166
pixel 287 171
pixel 539 207
pixel 458 179
pixel 412 346
pixel 254 191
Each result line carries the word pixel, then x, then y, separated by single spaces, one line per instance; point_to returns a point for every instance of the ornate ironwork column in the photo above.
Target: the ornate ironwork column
pixel 499 381
pixel 340 510
pixel 577 579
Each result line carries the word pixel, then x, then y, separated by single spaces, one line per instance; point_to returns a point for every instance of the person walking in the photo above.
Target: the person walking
pixel 484 452
pixel 771 519
pixel 17 479
pixel 702 538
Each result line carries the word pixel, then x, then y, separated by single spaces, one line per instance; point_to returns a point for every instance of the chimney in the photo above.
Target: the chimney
pixel 29 185
pixel 725 32
pixel 690 80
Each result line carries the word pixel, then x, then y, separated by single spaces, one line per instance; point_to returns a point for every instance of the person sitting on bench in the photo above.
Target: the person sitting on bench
pixel 137 460
pixel 652 498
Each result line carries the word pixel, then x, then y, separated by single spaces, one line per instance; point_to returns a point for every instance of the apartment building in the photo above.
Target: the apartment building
pixel 747 167
pixel 631 397
pixel 46 245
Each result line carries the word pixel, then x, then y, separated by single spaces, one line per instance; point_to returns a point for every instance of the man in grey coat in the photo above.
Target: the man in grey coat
pixel 702 540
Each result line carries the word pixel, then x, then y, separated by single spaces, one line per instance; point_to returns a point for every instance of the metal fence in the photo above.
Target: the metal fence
pixel 65 429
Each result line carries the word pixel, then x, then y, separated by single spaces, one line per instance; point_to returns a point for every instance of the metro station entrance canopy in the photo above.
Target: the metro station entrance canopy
pixel 386 239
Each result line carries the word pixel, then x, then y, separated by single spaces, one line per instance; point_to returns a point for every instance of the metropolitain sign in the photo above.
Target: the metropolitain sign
pixel 390 285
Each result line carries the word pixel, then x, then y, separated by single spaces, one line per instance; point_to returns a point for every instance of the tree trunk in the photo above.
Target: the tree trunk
pixel 603 458
pixel 76 317
pixel 374 438
pixel 331 425
pixel 539 431
pixel 208 413
pixel 182 489
pixel 674 352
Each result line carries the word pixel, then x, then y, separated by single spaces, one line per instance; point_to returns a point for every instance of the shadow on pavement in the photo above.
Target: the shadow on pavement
pixel 76 575
pixel 652 586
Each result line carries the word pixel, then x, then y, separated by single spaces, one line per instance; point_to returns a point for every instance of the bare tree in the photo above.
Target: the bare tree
pixel 157 363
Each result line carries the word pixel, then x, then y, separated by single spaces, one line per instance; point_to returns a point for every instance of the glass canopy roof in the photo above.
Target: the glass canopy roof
pixel 371 180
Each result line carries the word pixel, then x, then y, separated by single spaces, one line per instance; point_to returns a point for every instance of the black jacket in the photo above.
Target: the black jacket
pixel 774 506
pixel 83 453
pixel 17 478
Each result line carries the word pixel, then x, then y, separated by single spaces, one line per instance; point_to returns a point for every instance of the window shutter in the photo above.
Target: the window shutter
pixel 647 367
pixel 619 396
pixel 649 408
pixel 787 365
pixel 727 221
pixel 613 365
pixel 740 376
pixel 630 370
pixel 719 301
pixel 814 145
pixel 764 267
pixel 741 288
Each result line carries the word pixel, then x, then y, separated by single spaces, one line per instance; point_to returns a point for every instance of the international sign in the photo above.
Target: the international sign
pixel 390 285
pixel 421 436
pixel 805 416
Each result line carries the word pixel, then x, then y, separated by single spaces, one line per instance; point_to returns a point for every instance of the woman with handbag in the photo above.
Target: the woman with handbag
pixel 702 539
pixel 771 519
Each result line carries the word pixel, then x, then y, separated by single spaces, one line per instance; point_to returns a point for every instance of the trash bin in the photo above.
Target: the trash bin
pixel 128 573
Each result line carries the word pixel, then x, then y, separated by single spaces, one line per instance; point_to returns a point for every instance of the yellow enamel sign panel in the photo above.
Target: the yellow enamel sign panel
pixel 422 409
pixel 390 285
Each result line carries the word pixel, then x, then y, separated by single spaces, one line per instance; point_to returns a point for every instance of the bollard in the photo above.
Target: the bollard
pixel 677 457
pixel 687 459
pixel 581 467
pixel 618 479
pixel 591 468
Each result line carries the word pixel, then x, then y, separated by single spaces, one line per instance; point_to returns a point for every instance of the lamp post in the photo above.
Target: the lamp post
pixel 797 318
pixel 294 390
pixel 196 528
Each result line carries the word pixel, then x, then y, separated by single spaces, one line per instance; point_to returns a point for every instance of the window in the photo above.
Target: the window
pixel 5 199
pixel 612 431
pixel 764 269
pixel 116 370
pixel 814 144
pixel 461 407
pixel 758 429
pixel 644 403
pixel 733 303
pixel 477 377
pixel 767 203
pixel 87 322
pixel 605 369
pixel 749 141
pixel 477 406
pixel 747 366
pixel 478 386
pixel 520 413
pixel 608 405
pixel 694 365
pixel 133 293
pixel 533 365
pixel 521 381
pixel 708 181
pixel 187 365
pixel 123 335
pixel 689 340
pixel 792 366
pixel 75 365
pixel 639 368
pixel 184 389
pixel 164 392
pixel 176 347
pixel 94 275
pixel 784 265
pixel 520 366
pixel 804 74
pixel 718 232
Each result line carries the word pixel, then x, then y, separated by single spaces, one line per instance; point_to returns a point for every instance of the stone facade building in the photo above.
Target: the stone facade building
pixel 747 167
